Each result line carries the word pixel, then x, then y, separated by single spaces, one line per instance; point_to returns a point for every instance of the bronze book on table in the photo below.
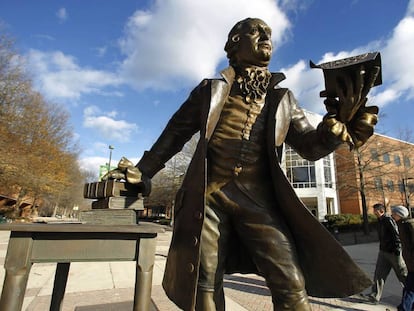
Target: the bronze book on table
pixel 110 188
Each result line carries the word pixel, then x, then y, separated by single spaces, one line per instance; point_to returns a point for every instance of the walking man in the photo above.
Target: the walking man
pixel 389 256
pixel 406 229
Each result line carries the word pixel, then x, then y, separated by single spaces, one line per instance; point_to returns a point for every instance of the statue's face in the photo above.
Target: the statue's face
pixel 255 45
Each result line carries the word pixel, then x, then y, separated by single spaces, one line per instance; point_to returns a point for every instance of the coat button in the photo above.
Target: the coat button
pixel 190 267
pixel 198 215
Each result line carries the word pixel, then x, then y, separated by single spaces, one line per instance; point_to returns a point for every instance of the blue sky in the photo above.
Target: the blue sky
pixel 121 68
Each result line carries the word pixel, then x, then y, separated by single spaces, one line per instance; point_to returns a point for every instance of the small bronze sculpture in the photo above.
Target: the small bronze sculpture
pixel 236 211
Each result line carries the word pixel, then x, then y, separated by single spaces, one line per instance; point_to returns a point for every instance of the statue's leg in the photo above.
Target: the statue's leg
pixel 214 236
pixel 271 247
pixel 274 254
pixel 206 301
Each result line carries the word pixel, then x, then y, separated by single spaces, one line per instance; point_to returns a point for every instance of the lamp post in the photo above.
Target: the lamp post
pixel 110 156
pixel 406 194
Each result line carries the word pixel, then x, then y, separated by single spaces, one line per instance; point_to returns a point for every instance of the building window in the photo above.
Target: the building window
pixel 405 186
pixel 407 161
pixel 386 157
pixel 390 185
pixel 327 172
pixel 378 183
pixel 397 160
pixel 300 172
pixel 401 187
pixel 374 154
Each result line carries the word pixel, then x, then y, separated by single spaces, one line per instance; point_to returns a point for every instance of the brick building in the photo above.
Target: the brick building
pixel 382 169
pixel 332 185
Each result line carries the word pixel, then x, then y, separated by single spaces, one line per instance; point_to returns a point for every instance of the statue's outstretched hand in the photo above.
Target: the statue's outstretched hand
pixel 352 91
pixel 348 116
pixel 131 174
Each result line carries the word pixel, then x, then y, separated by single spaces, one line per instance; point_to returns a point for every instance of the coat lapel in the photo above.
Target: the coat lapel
pixel 220 90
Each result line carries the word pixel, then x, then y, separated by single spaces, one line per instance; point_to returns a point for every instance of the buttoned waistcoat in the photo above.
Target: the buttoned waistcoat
pixel 328 269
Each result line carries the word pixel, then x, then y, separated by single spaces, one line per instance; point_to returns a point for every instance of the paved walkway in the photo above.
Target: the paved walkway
pixel 104 286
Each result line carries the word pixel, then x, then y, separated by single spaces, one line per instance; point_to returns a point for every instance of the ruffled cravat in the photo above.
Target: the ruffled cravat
pixel 253 82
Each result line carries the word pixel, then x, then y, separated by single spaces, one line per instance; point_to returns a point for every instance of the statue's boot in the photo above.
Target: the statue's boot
pixel 206 301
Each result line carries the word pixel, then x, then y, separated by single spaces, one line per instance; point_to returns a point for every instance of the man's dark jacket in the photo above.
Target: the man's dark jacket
pixel 328 269
pixel 388 235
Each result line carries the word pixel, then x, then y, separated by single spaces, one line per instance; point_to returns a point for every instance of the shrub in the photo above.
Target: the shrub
pixel 345 222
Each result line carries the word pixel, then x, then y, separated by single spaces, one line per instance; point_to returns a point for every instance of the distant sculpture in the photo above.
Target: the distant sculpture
pixel 236 211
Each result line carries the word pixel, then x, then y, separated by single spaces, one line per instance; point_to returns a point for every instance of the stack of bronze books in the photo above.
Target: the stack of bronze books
pixel 114 202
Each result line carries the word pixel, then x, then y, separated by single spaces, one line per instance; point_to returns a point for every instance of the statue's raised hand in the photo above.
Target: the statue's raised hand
pixel 352 89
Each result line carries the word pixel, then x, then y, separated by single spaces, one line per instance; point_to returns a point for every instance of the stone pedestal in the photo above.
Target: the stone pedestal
pixel 110 216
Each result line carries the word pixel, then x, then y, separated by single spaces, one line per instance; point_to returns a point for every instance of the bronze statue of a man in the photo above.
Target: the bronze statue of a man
pixel 236 211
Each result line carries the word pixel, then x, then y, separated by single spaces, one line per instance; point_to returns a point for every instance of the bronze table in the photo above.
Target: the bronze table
pixel 66 243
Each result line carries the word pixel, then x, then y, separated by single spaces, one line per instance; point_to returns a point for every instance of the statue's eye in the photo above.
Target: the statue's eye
pixel 254 31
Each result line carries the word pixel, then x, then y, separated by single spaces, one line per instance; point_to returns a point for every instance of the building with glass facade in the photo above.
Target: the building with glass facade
pixel 313 181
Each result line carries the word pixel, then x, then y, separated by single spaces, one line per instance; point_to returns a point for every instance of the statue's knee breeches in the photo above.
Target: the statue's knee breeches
pixel 213 250
pixel 263 233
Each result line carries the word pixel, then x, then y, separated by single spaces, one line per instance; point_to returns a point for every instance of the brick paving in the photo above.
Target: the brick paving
pixel 110 286
pixel 249 292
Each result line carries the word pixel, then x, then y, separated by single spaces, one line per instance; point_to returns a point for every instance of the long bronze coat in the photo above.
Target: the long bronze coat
pixel 328 269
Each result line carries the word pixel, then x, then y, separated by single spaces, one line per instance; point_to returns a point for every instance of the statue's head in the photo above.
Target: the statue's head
pixel 249 43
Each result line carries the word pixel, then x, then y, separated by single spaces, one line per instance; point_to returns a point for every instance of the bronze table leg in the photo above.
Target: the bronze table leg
pixel 143 281
pixel 59 286
pixel 17 268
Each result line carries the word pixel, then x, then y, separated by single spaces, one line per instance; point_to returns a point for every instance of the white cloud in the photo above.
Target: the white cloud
pixel 100 147
pixel 385 97
pixel 397 69
pixel 58 76
pixel 62 15
pixel 410 10
pixel 164 48
pixel 181 41
pixel 305 84
pixel 92 164
pixel 101 51
pixel 107 126
pixel 397 58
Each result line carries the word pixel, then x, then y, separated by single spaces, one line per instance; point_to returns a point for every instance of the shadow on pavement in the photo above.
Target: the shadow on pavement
pixel 333 306
pixel 246 284
pixel 116 306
